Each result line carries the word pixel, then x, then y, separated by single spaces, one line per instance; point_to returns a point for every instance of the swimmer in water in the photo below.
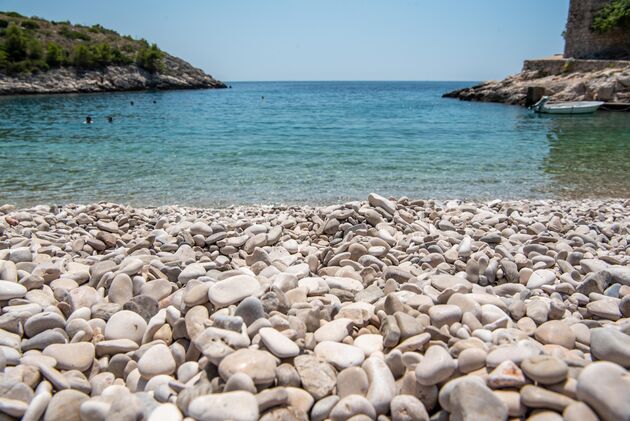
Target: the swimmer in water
pixel 88 120
pixel 110 119
pixel 131 102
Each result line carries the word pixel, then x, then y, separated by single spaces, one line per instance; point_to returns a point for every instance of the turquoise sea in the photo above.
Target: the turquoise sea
pixel 301 142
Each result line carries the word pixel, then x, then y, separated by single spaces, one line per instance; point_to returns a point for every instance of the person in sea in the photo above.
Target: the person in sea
pixel 88 120
pixel 110 119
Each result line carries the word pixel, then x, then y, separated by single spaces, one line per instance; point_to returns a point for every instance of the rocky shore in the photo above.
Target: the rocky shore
pixel 561 79
pixel 176 74
pixel 385 309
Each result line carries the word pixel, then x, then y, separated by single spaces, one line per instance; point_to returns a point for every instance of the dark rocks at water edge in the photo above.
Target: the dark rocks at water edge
pixel 385 309
pixel 176 74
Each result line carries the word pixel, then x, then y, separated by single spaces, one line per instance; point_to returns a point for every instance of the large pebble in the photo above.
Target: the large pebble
pixel 236 406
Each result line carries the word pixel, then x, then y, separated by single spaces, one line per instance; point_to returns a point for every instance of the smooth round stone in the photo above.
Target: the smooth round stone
pixel 121 289
pixel 408 408
pixel 10 290
pixel 233 290
pixel 436 366
pixel 321 409
pixel 37 406
pixel 604 387
pixel 545 369
pixel 317 376
pixel 382 387
pixel 13 407
pixel 606 309
pixel 260 366
pixel 334 330
pixel 240 381
pixel 512 400
pixel 555 332
pixel 352 381
pixel 236 406
pixel 472 401
pixel 65 405
pixel 340 355
pixel 541 277
pixel 40 322
pixel 350 406
pixel 513 352
pixel 299 399
pixel 369 343
pixel 444 314
pixel 538 397
pixel 157 360
pixel 579 411
pixel 126 324
pixel 166 411
pixel 444 395
pixel 250 310
pixel 72 356
pixel 610 344
pixel 471 359
pixel 278 344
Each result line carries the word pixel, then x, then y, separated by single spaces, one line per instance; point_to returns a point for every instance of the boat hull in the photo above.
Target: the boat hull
pixel 571 108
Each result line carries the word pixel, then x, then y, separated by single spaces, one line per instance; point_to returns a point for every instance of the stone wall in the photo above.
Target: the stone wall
pixel 582 42
pixel 559 66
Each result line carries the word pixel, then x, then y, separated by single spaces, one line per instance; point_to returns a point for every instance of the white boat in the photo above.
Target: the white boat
pixel 577 107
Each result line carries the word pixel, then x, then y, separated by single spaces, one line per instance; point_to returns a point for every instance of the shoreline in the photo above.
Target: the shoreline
pixel 387 307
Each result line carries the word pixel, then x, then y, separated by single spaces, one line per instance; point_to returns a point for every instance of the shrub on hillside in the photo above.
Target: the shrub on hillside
pixel 614 15
pixel 150 58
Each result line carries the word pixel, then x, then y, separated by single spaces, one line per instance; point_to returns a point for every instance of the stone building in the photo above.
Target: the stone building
pixel 581 42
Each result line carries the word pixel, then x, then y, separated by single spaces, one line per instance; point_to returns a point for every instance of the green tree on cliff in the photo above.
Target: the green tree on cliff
pixel 616 14
pixel 150 58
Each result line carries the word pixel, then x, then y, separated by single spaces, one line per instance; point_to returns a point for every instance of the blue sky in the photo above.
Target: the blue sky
pixel 332 39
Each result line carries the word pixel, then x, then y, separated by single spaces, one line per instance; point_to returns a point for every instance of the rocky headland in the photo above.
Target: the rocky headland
pixel 39 56
pixel 385 309
pixel 176 74
pixel 560 79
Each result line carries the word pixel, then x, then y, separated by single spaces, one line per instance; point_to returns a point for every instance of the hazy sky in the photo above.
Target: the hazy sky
pixel 331 39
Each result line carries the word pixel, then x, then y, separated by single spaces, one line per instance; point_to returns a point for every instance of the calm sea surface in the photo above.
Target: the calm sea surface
pixel 307 142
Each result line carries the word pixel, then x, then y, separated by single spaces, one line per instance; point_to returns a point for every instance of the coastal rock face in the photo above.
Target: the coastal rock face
pixel 562 80
pixel 401 309
pixel 177 74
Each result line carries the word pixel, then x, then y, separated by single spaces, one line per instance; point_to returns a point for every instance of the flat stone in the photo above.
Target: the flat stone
pixel 612 345
pixel 470 401
pixel 72 356
pixel 250 310
pixel 40 322
pixel 233 290
pixel 334 330
pixel 545 369
pixel 604 387
pixel 538 397
pixel 369 344
pixel 513 352
pixel 444 314
pixel 278 344
pixel 506 375
pixel 605 309
pixel 10 290
pixel 555 332
pixel 317 376
pixel 259 365
pixel 236 406
pixel 352 381
pixel 340 355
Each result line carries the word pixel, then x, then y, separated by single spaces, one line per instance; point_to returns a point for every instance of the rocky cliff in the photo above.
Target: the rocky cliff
pixel 177 74
pixel 562 80
pixel 38 56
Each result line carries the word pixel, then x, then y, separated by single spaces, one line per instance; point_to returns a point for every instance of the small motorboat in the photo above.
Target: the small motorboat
pixel 577 107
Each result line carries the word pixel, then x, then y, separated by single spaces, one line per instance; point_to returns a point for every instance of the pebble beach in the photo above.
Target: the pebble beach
pixel 384 309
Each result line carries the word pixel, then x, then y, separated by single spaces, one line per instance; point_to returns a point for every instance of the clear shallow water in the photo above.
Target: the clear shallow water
pixel 306 142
